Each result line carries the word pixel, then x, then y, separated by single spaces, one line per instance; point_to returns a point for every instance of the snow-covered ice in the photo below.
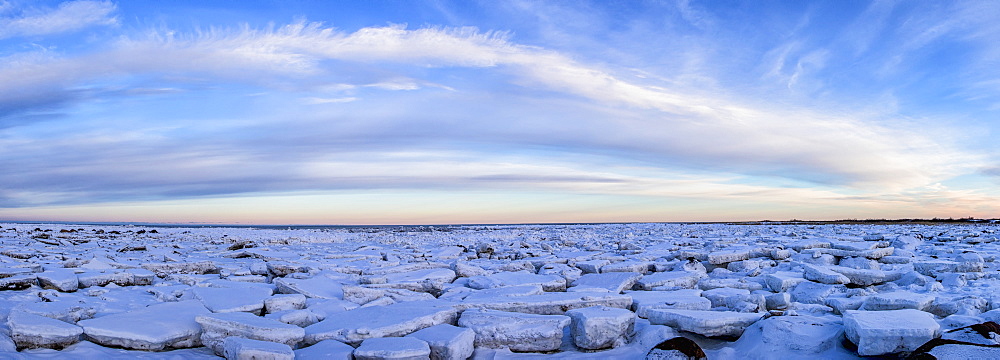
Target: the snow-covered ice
pixel 767 291
pixel 448 342
pixel 515 331
pixel 157 327
pixel 885 332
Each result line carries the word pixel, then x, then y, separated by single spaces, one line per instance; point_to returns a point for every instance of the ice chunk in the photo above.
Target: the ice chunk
pixel 722 257
pixel 630 266
pixel 18 282
pixel 326 350
pixel 515 331
pixel 791 337
pixel 36 331
pixel 448 342
pixel 897 300
pixel 237 348
pixel 707 323
pixel 613 282
pixel 283 268
pixel 392 348
pixel 426 280
pixel 811 293
pixel 64 280
pixel 600 327
pixel 300 318
pixel 866 277
pixel 164 269
pixel 778 301
pixel 823 275
pixel 546 303
pixel 157 327
pixel 675 279
pixel 282 302
pixel 68 311
pixel 781 281
pixel 718 296
pixel 353 326
pixel 688 299
pixel 887 332
pixel 548 282
pixel 468 270
pixel 232 299
pixel 316 287
pixel 105 277
pixel 219 326
pixel 570 273
pixel 591 266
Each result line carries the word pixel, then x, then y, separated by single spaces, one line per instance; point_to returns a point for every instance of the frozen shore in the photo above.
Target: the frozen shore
pixel 495 292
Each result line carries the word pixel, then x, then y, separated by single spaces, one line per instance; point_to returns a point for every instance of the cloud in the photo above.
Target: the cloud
pixel 316 100
pixel 67 17
pixel 630 118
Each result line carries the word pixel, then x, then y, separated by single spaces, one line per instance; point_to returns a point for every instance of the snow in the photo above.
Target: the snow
pixel 354 326
pixel 515 331
pixel 447 342
pixel 160 326
pixel 36 331
pixel 232 299
pixel 392 348
pixel 506 291
pixel 283 302
pixel 64 280
pixel 326 350
pixel 216 328
pixel 707 323
pixel 885 332
pixel 601 327
pixel 613 282
pixel 236 348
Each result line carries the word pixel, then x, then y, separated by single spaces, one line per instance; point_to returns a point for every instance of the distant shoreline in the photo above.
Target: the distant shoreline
pixel 935 221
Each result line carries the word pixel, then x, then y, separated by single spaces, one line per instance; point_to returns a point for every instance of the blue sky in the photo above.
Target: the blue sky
pixel 392 112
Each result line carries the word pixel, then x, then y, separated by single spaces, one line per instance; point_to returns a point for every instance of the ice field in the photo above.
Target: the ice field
pixel 767 291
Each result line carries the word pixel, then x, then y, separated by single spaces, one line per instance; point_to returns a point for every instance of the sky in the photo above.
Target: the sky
pixel 447 112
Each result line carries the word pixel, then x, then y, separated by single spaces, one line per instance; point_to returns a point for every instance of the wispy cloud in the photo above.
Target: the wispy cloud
pixel 316 100
pixel 746 137
pixel 67 17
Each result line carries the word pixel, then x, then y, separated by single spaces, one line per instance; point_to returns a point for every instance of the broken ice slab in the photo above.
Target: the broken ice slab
pixel 515 331
pixel 157 327
pixel 353 326
pixel 728 256
pixel 897 300
pixel 315 287
pixel 448 342
pixel 548 282
pixel 613 282
pixel 326 350
pixel 545 303
pixel 601 327
pixel 35 331
pixel 64 280
pixel 242 348
pixel 165 268
pixel 392 348
pixel 707 323
pixel 670 279
pixel 220 300
pixel 688 299
pixel 887 332
pixel 219 326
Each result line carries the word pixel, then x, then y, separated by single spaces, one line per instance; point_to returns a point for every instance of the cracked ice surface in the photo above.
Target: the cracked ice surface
pixel 768 291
